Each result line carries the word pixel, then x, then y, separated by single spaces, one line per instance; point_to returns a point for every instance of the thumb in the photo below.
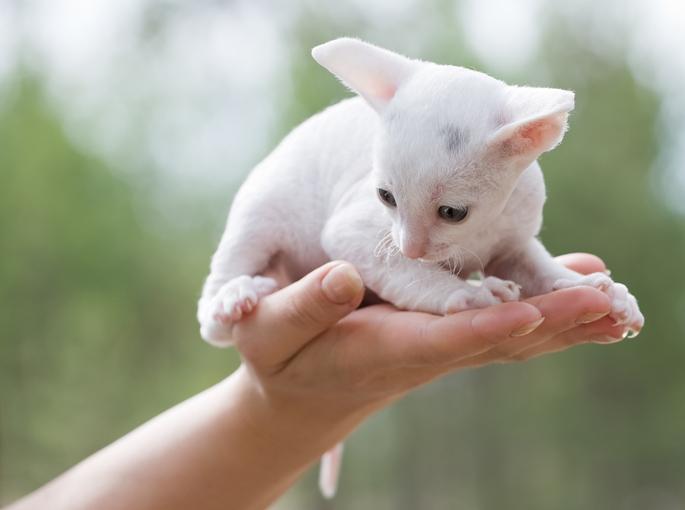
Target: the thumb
pixel 284 322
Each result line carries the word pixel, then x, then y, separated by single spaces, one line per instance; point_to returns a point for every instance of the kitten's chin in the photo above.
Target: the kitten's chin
pixel 436 258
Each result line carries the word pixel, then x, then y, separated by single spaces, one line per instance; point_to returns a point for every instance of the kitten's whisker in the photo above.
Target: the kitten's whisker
pixel 414 282
pixel 378 249
pixel 450 264
pixel 382 245
pixel 480 261
pixel 386 247
pixel 459 262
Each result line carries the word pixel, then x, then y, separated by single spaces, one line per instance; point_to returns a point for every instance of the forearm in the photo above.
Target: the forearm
pixel 225 448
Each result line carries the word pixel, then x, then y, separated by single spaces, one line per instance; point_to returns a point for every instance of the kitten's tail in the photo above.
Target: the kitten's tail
pixel 329 471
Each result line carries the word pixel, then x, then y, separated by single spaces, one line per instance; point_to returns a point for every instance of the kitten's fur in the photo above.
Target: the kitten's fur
pixel 432 135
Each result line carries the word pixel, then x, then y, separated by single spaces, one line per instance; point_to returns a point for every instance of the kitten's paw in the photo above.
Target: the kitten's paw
pixel 237 298
pixel 624 307
pixel 491 291
pixel 505 290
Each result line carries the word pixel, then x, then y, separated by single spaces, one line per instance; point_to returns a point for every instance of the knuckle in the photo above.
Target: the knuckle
pixel 432 351
pixel 482 336
pixel 518 356
pixel 303 311
pixel 497 352
pixel 430 355
pixel 248 348
pixel 586 297
pixel 568 340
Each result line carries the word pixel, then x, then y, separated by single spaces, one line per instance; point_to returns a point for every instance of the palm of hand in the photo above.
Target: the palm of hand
pixel 378 353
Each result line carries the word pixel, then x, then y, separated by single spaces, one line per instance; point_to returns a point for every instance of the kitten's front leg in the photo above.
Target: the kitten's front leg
pixel 424 287
pixel 406 283
pixel 538 273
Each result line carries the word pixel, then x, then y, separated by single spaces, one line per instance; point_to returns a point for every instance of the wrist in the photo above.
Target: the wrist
pixel 302 426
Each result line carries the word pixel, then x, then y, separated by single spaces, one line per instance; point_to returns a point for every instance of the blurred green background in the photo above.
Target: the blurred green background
pixel 126 127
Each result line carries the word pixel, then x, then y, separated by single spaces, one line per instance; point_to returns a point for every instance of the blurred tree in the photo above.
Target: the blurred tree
pixel 97 327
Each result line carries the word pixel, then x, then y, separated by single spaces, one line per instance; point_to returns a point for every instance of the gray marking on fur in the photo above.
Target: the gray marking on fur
pixel 455 138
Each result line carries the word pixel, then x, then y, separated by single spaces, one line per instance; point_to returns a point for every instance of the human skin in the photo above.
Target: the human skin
pixel 313 369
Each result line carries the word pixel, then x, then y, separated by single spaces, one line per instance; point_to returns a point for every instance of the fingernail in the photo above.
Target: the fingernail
pixel 607 272
pixel 590 317
pixel 625 334
pixel 528 328
pixel 606 339
pixel 342 284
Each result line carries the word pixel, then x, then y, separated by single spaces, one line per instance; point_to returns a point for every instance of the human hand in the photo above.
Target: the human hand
pixel 327 367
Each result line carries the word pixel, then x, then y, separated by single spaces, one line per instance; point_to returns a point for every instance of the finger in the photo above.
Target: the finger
pixel 584 263
pixel 419 340
pixel 563 310
pixel 602 331
pixel 285 321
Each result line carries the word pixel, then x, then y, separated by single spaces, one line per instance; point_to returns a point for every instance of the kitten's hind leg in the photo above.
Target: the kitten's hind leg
pixel 234 286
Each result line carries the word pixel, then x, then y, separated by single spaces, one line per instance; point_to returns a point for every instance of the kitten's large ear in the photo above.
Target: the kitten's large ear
pixel 539 121
pixel 372 72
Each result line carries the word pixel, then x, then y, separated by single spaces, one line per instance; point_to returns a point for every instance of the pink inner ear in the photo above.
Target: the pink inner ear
pixel 539 131
pixel 385 91
pixel 536 135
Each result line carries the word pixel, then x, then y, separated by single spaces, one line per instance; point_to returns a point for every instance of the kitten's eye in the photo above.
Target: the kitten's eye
pixel 386 197
pixel 453 214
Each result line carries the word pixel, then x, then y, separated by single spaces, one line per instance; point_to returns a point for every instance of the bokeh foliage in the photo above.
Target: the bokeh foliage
pixel 97 323
pixel 97 327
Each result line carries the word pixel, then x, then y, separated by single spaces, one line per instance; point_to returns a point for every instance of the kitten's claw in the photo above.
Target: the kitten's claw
pixel 505 290
pixel 624 308
pixel 237 298
pixel 491 291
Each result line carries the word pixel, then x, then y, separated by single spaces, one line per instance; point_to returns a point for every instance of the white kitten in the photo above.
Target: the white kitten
pixel 429 176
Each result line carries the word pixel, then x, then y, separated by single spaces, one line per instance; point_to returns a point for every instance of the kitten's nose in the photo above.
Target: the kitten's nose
pixel 413 240
pixel 413 250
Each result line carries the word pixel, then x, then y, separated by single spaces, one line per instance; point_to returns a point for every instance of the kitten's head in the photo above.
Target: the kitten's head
pixel 452 142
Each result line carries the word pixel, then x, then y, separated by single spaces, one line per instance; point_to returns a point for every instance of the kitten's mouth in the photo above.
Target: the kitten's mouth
pixel 441 256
